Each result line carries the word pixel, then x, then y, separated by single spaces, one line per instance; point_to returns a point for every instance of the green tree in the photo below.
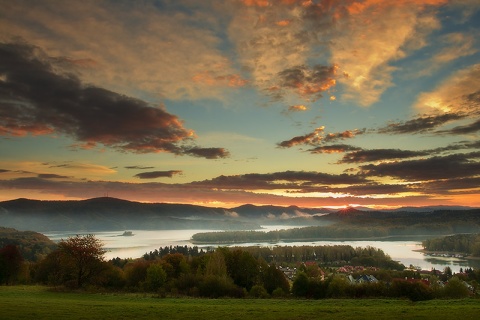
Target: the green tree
pixel 274 278
pixel 300 285
pixel 156 277
pixel 455 288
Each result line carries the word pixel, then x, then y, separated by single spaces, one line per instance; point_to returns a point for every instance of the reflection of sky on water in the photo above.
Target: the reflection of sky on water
pixel 148 240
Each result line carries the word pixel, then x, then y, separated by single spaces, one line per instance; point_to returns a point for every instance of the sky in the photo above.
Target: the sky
pixel 222 103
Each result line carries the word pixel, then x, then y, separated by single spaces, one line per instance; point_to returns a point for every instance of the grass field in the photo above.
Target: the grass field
pixel 35 302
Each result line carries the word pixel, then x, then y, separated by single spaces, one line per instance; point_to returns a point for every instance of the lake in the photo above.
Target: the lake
pixel 144 241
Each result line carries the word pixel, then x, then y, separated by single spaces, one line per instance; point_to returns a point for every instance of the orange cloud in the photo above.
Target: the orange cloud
pixel 283 23
pixel 359 7
pixel 297 108
pixel 256 3
pixel 230 80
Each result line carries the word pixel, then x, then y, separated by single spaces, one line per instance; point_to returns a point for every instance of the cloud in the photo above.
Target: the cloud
pixel 334 148
pixel 231 80
pixel 208 153
pixel 457 45
pixel 421 124
pixel 370 35
pixel 434 168
pixel 76 167
pixel 297 108
pixel 176 193
pixel 35 99
pixel 305 82
pixel 138 167
pixel 51 176
pixel 278 180
pixel 470 128
pixel 318 136
pixel 145 46
pixel 4 170
pixel 310 138
pixel 458 94
pixel 449 186
pixel 347 134
pixel 360 156
pixel 157 174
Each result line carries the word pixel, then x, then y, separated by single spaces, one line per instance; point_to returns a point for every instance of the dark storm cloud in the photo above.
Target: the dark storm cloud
pixel 422 124
pixel 279 180
pixel 138 167
pixel 447 167
pixel 334 148
pixel 360 156
pixel 35 99
pixel 51 176
pixel 157 174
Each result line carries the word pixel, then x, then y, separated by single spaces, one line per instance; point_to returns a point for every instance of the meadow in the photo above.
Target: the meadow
pixel 39 302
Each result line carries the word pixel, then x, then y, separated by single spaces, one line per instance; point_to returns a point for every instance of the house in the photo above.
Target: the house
pixel 366 279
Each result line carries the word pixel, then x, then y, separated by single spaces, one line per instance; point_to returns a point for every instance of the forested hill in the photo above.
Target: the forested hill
pixel 116 214
pixel 32 245
pixel 359 225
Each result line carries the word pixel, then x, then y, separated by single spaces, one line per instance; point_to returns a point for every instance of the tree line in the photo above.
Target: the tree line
pixel 78 263
pixel 462 243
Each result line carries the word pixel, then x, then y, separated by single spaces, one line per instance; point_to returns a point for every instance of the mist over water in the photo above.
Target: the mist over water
pixel 144 241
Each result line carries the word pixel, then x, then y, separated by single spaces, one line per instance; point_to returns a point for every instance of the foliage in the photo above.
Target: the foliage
pixel 33 246
pixel 464 243
pixel 361 225
pixel 455 288
pixel 156 277
pixel 10 264
pixel 76 262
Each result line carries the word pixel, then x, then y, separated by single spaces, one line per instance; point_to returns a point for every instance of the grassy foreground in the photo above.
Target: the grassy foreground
pixel 36 302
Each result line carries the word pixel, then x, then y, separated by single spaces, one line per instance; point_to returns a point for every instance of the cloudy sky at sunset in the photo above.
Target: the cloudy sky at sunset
pixel 221 103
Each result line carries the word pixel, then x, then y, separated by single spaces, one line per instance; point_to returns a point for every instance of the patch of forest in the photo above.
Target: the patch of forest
pixel 361 225
pixel 461 243
pixel 33 246
pixel 78 263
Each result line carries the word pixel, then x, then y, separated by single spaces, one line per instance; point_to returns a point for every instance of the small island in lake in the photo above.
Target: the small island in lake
pixel 127 234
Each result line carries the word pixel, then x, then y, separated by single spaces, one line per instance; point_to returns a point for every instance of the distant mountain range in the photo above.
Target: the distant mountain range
pixel 115 214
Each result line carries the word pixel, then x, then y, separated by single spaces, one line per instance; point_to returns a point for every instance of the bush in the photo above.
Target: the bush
pixel 415 291
pixel 259 292
pixel 455 288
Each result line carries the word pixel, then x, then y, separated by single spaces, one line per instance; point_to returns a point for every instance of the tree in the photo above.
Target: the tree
pixel 156 277
pixel 11 261
pixel 300 285
pixel 83 255
pixel 273 279
pixel 455 288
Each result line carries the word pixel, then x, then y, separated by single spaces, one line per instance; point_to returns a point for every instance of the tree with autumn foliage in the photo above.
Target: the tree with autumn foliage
pixel 83 255
pixel 77 261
